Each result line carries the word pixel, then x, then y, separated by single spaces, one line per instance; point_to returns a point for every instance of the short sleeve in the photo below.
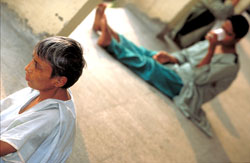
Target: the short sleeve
pixel 28 131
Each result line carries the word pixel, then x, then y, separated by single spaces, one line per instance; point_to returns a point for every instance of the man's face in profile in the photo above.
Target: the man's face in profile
pixel 38 74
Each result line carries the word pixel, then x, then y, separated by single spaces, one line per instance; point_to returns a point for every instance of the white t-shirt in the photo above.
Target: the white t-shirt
pixel 44 133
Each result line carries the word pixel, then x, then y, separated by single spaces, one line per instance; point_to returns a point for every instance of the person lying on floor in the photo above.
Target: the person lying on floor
pixel 189 77
pixel 38 122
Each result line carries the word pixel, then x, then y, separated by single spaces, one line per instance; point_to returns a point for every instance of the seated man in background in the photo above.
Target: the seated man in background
pixel 189 77
pixel 202 18
pixel 38 122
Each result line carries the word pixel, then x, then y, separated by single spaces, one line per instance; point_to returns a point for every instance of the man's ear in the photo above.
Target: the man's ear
pixel 61 81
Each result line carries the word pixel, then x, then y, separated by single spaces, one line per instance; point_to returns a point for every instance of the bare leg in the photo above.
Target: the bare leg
pixel 113 33
pixel 98 21
pixel 98 16
pixel 106 36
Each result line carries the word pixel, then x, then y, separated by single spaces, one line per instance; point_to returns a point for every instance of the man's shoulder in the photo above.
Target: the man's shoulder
pixel 62 108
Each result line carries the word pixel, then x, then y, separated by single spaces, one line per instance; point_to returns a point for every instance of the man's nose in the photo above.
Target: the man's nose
pixel 28 68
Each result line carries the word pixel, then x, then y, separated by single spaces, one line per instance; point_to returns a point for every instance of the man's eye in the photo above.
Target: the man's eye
pixel 228 33
pixel 35 63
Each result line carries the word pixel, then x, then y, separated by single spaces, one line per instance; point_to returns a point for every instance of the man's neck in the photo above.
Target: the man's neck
pixel 57 93
pixel 222 49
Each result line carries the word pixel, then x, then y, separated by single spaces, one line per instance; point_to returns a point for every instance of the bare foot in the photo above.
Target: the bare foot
pixel 106 37
pixel 98 16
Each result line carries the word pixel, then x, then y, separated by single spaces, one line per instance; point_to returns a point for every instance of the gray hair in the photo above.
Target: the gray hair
pixel 65 56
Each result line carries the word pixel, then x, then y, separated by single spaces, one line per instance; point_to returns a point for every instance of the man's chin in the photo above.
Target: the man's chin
pixel 29 84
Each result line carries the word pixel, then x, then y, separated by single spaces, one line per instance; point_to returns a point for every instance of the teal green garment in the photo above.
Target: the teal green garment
pixel 140 61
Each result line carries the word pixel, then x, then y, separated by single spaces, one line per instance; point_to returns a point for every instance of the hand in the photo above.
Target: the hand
pixel 164 57
pixel 212 38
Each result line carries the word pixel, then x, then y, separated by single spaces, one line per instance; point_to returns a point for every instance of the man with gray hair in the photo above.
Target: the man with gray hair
pixel 38 122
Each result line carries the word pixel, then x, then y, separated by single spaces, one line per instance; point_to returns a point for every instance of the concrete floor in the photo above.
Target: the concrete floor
pixel 122 119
